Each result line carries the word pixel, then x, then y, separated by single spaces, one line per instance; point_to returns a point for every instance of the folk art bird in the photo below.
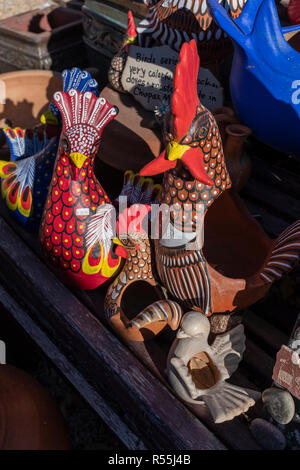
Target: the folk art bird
pixel 211 255
pixel 264 79
pixel 26 178
pixel 77 227
pixel 198 370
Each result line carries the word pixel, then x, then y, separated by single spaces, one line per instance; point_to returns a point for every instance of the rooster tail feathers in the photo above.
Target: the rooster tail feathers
pixel 16 141
pixel 25 142
pixel 139 189
pixel 228 401
pixel 77 79
pixel 284 255
pixel 84 108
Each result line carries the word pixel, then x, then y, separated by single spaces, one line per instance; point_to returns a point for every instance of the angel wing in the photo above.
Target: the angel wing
pixel 229 348
pixel 102 227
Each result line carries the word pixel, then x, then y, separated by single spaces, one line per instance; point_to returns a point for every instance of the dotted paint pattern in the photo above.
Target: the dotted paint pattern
pixel 62 229
pixel 178 186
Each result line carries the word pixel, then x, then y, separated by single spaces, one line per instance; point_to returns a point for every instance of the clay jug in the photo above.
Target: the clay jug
pixel 29 418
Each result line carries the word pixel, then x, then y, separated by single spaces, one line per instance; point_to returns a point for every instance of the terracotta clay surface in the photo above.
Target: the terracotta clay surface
pixel 220 260
pixel 28 94
pixel 128 134
pixel 29 418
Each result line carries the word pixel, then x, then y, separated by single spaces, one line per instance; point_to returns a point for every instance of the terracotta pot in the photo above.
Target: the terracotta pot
pixel 29 418
pixel 48 38
pixel 238 162
pixel 28 94
pixel 128 134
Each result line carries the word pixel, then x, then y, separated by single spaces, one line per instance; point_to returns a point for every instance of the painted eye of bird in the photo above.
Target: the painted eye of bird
pixel 65 145
pixel 202 131
pixel 95 147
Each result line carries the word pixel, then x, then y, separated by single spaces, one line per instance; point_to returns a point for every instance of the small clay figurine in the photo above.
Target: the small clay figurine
pixel 211 255
pixel 118 62
pixel 77 231
pixel 198 371
pixel 264 75
pixel 131 304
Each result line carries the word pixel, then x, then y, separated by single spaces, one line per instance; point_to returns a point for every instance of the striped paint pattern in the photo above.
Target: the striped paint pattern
pixel 164 25
pixel 285 254
pixel 162 310
pixel 184 273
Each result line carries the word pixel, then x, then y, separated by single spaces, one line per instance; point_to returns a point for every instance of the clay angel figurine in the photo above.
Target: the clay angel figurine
pixel 77 231
pixel 211 255
pixel 198 371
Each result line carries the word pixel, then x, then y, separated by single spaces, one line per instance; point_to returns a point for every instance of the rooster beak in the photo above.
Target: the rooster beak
pixel 78 159
pixel 49 118
pixel 176 151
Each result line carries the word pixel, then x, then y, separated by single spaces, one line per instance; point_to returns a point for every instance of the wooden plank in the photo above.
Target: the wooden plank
pixel 287 206
pixel 88 392
pixel 262 329
pixel 130 390
pixel 259 362
pixel 153 355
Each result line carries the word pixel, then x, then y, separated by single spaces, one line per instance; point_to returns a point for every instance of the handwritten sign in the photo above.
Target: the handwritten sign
pixel 148 76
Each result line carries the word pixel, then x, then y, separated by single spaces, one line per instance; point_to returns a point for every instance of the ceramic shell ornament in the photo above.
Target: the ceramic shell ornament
pixel 77 232
pixel 211 254
pixel 197 371
pixel 264 80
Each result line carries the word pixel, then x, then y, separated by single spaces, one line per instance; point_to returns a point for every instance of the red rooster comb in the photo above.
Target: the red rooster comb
pixel 84 108
pixel 131 31
pixel 185 96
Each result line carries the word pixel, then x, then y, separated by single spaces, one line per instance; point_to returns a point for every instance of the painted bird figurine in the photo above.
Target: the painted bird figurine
pixel 173 22
pixel 211 254
pixel 136 285
pixel 26 178
pixel 264 79
pixel 198 371
pixel 25 182
pixel 119 60
pixel 77 229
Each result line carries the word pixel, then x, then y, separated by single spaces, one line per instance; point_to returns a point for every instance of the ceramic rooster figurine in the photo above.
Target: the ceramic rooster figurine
pixel 25 179
pixel 77 230
pixel 264 80
pixel 211 255
pixel 25 182
pixel 123 308
pixel 118 62
pixel 197 371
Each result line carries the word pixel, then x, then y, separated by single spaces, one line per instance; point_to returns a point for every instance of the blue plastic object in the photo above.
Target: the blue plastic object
pixel 265 74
